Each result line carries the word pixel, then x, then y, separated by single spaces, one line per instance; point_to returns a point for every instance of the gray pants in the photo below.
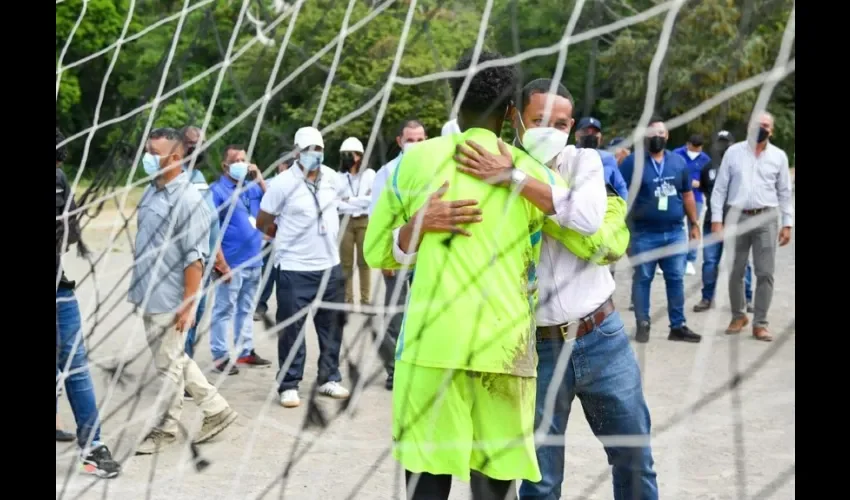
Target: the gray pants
pixel 762 240
pixel 388 345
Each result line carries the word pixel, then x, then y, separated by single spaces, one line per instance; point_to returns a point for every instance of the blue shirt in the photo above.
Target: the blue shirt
pixel 694 167
pixel 612 174
pixel 241 243
pixel 650 212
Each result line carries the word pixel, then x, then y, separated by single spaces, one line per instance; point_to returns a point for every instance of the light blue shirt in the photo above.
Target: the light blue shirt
pixel 380 181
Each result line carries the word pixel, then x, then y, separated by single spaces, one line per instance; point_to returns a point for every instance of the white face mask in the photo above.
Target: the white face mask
pixel 544 143
pixel 693 154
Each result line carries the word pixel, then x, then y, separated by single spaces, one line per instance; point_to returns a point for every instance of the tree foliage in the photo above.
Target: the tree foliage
pixel 714 45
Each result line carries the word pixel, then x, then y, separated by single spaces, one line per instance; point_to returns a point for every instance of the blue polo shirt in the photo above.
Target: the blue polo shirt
pixel 612 174
pixel 669 179
pixel 241 242
pixel 694 167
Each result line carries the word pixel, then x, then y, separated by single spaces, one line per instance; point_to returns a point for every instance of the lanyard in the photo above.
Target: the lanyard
pixel 659 168
pixel 315 194
pixel 353 192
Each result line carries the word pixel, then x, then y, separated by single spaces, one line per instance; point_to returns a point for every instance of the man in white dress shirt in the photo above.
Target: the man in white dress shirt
pixel 355 203
pixel 582 345
pixel 410 132
pixel 754 181
pixel 299 210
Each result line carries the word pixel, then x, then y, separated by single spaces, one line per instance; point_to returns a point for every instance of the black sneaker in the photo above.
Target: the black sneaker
pixel 642 333
pixel 253 359
pixel 684 334
pixel 100 463
pixel 220 366
pixel 389 383
pixel 703 305
pixel 187 396
pixel 64 436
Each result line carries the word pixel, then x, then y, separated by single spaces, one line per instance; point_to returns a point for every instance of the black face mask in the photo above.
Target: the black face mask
pixel 762 135
pixel 347 162
pixel 656 144
pixel 201 156
pixel 589 142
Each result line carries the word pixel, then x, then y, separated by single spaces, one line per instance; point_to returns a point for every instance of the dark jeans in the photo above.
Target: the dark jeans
pixel 388 345
pixel 263 304
pixel 191 334
pixel 296 290
pixel 711 255
pixel 427 486
pixel 673 267
pixel 603 373
pixel 73 360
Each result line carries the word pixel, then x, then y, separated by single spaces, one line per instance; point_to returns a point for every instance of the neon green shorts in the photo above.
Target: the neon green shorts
pixel 452 422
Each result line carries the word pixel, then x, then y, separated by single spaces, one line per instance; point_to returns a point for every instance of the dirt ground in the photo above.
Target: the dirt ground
pixel 708 442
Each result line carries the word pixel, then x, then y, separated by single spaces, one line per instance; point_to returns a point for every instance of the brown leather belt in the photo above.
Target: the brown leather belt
pixel 353 216
pixel 755 211
pixel 578 328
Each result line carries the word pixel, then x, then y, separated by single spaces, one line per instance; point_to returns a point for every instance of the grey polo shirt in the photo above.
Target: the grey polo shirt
pixel 173 232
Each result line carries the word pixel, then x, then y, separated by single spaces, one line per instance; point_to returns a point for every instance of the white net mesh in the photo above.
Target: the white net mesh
pixel 721 409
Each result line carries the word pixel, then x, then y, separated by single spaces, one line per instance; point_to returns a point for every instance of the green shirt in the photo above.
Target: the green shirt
pixel 471 304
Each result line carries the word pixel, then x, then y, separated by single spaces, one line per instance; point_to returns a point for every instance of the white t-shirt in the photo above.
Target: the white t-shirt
pixel 305 241
pixel 359 193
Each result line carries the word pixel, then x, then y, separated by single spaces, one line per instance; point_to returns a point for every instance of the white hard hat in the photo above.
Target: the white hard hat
pixel 308 136
pixel 352 144
pixel 450 127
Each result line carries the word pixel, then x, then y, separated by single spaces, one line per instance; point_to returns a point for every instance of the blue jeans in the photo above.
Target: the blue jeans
pixel 603 373
pixel 234 305
pixel 72 359
pixel 263 304
pixel 673 267
pixel 295 291
pixel 190 335
pixel 711 255
pixel 692 253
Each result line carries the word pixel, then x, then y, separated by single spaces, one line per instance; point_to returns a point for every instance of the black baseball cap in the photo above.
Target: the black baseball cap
pixel 589 121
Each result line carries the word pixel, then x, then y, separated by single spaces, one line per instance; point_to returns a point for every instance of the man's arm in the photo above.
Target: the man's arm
pixel 387 215
pixel 783 193
pixel 582 206
pixel 721 189
pixel 215 230
pixel 270 207
pixel 688 200
pixel 194 247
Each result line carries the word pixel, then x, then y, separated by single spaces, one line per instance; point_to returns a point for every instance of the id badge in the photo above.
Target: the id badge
pixel 662 203
pixel 323 229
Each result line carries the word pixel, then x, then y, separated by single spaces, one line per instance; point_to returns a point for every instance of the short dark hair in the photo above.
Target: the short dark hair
pixel 184 132
pixel 655 119
pixel 490 90
pixel 232 147
pixel 696 140
pixel 169 134
pixel 409 123
pixel 542 86
pixel 62 151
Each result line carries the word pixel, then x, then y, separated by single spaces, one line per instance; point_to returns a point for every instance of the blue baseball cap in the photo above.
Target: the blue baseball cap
pixel 589 121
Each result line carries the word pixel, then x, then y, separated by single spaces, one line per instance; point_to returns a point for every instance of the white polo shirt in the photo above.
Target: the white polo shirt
pixel 307 224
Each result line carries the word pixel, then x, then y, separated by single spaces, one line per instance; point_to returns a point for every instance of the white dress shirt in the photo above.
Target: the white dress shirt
pixel 750 182
pixel 358 190
pixel 381 180
pixel 570 288
pixel 304 240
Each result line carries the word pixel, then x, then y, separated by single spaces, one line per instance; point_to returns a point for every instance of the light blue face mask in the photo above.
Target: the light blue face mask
pixel 238 171
pixel 150 163
pixel 311 160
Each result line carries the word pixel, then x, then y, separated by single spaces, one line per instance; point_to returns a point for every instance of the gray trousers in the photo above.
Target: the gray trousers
pixel 388 345
pixel 762 240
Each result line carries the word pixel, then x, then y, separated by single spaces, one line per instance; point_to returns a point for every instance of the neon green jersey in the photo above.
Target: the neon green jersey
pixel 471 304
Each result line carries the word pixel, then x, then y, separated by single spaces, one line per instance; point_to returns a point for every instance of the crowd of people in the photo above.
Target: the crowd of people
pixel 499 255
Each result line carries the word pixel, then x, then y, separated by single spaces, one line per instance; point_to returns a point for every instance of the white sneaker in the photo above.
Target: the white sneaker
pixel 689 269
pixel 289 398
pixel 333 390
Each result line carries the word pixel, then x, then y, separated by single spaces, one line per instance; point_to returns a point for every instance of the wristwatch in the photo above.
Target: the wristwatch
pixel 518 177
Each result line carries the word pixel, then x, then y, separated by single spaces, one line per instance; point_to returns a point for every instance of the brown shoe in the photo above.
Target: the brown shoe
pixel 761 333
pixel 737 325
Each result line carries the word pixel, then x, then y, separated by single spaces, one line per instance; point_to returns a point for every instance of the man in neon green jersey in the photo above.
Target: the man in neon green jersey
pixel 466 352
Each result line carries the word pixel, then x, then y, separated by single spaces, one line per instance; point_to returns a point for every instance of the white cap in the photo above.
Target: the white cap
pixel 450 127
pixel 308 136
pixel 352 144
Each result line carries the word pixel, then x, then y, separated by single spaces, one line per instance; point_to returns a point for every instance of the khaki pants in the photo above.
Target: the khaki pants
pixel 354 234
pixel 178 371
